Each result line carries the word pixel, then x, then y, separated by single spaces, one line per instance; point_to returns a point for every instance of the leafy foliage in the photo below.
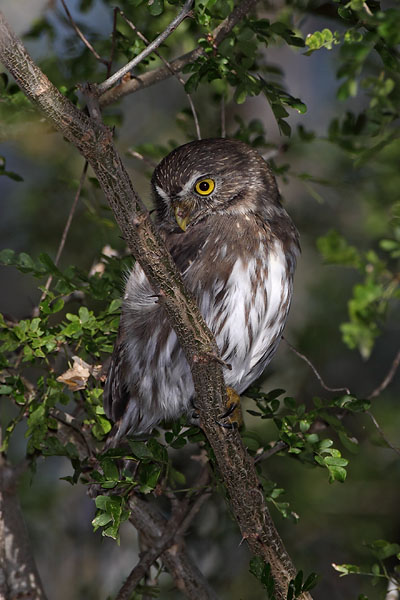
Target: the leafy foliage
pixel 372 298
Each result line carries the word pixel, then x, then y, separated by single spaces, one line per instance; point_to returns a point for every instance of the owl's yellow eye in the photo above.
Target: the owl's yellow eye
pixel 204 187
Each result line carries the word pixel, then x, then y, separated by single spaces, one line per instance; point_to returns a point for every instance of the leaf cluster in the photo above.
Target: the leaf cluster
pixel 371 299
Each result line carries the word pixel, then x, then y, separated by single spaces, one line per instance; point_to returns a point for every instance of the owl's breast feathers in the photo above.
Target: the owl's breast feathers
pixel 240 270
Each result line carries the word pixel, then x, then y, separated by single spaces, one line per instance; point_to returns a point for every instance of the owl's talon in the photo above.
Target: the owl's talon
pixel 231 408
pixel 229 425
pixel 233 412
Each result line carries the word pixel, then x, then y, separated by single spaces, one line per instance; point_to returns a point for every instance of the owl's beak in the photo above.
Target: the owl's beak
pixel 182 212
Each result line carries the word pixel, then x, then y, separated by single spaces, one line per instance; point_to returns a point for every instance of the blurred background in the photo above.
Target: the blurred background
pixel 335 520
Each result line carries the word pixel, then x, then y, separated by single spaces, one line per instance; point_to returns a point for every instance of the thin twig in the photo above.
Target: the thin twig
pixel 145 159
pixel 66 230
pixel 71 213
pixel 203 494
pixel 192 108
pixel 102 87
pixel 113 38
pixel 83 38
pixel 381 432
pixel 317 375
pixel 280 445
pixel 176 526
pixel 169 66
pixel 70 421
pixel 223 117
pixel 151 524
pixel 387 380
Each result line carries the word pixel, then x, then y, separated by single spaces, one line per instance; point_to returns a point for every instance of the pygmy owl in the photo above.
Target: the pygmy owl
pixel 219 212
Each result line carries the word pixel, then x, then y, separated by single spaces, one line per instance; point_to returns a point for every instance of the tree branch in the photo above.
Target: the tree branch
pixel 19 577
pixel 387 379
pixel 102 87
pixel 183 514
pixel 64 235
pixel 151 525
pixel 382 433
pixel 148 521
pixel 314 370
pixel 168 65
pixel 82 37
pixel 149 78
pixel 94 141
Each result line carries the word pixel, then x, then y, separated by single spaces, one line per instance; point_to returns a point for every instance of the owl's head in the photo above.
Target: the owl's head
pixel 212 176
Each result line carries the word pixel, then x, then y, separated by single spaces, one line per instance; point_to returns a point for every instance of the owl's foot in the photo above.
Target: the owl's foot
pixel 233 413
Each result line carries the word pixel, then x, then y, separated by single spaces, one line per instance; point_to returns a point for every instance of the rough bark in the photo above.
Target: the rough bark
pixel 94 141
pixel 19 577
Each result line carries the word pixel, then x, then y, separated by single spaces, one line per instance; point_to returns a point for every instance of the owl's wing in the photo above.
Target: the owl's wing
pixel 121 397
pixel 148 376
pixel 116 393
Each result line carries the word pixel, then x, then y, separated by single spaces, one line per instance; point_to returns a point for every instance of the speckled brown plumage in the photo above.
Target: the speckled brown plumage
pixel 237 254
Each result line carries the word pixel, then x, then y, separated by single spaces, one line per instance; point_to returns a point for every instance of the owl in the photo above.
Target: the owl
pixel 219 213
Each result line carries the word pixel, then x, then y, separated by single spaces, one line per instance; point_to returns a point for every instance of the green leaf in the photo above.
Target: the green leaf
pixel 335 250
pixel 5 389
pixel 262 571
pixel 383 549
pixel 156 7
pixel 346 569
pixel 100 520
pixel 310 582
pixel 140 449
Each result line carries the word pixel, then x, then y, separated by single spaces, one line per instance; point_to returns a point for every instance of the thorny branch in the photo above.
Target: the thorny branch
pixel 317 375
pixel 103 87
pixel 151 526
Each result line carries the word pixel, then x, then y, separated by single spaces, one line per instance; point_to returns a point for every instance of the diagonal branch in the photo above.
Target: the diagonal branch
pixel 387 379
pixel 168 65
pixel 102 87
pixel 94 141
pixel 382 433
pixel 182 516
pixel 64 234
pixel 19 577
pixel 156 549
pixel 314 370
pixel 151 525
pixel 154 76
pixel 82 36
